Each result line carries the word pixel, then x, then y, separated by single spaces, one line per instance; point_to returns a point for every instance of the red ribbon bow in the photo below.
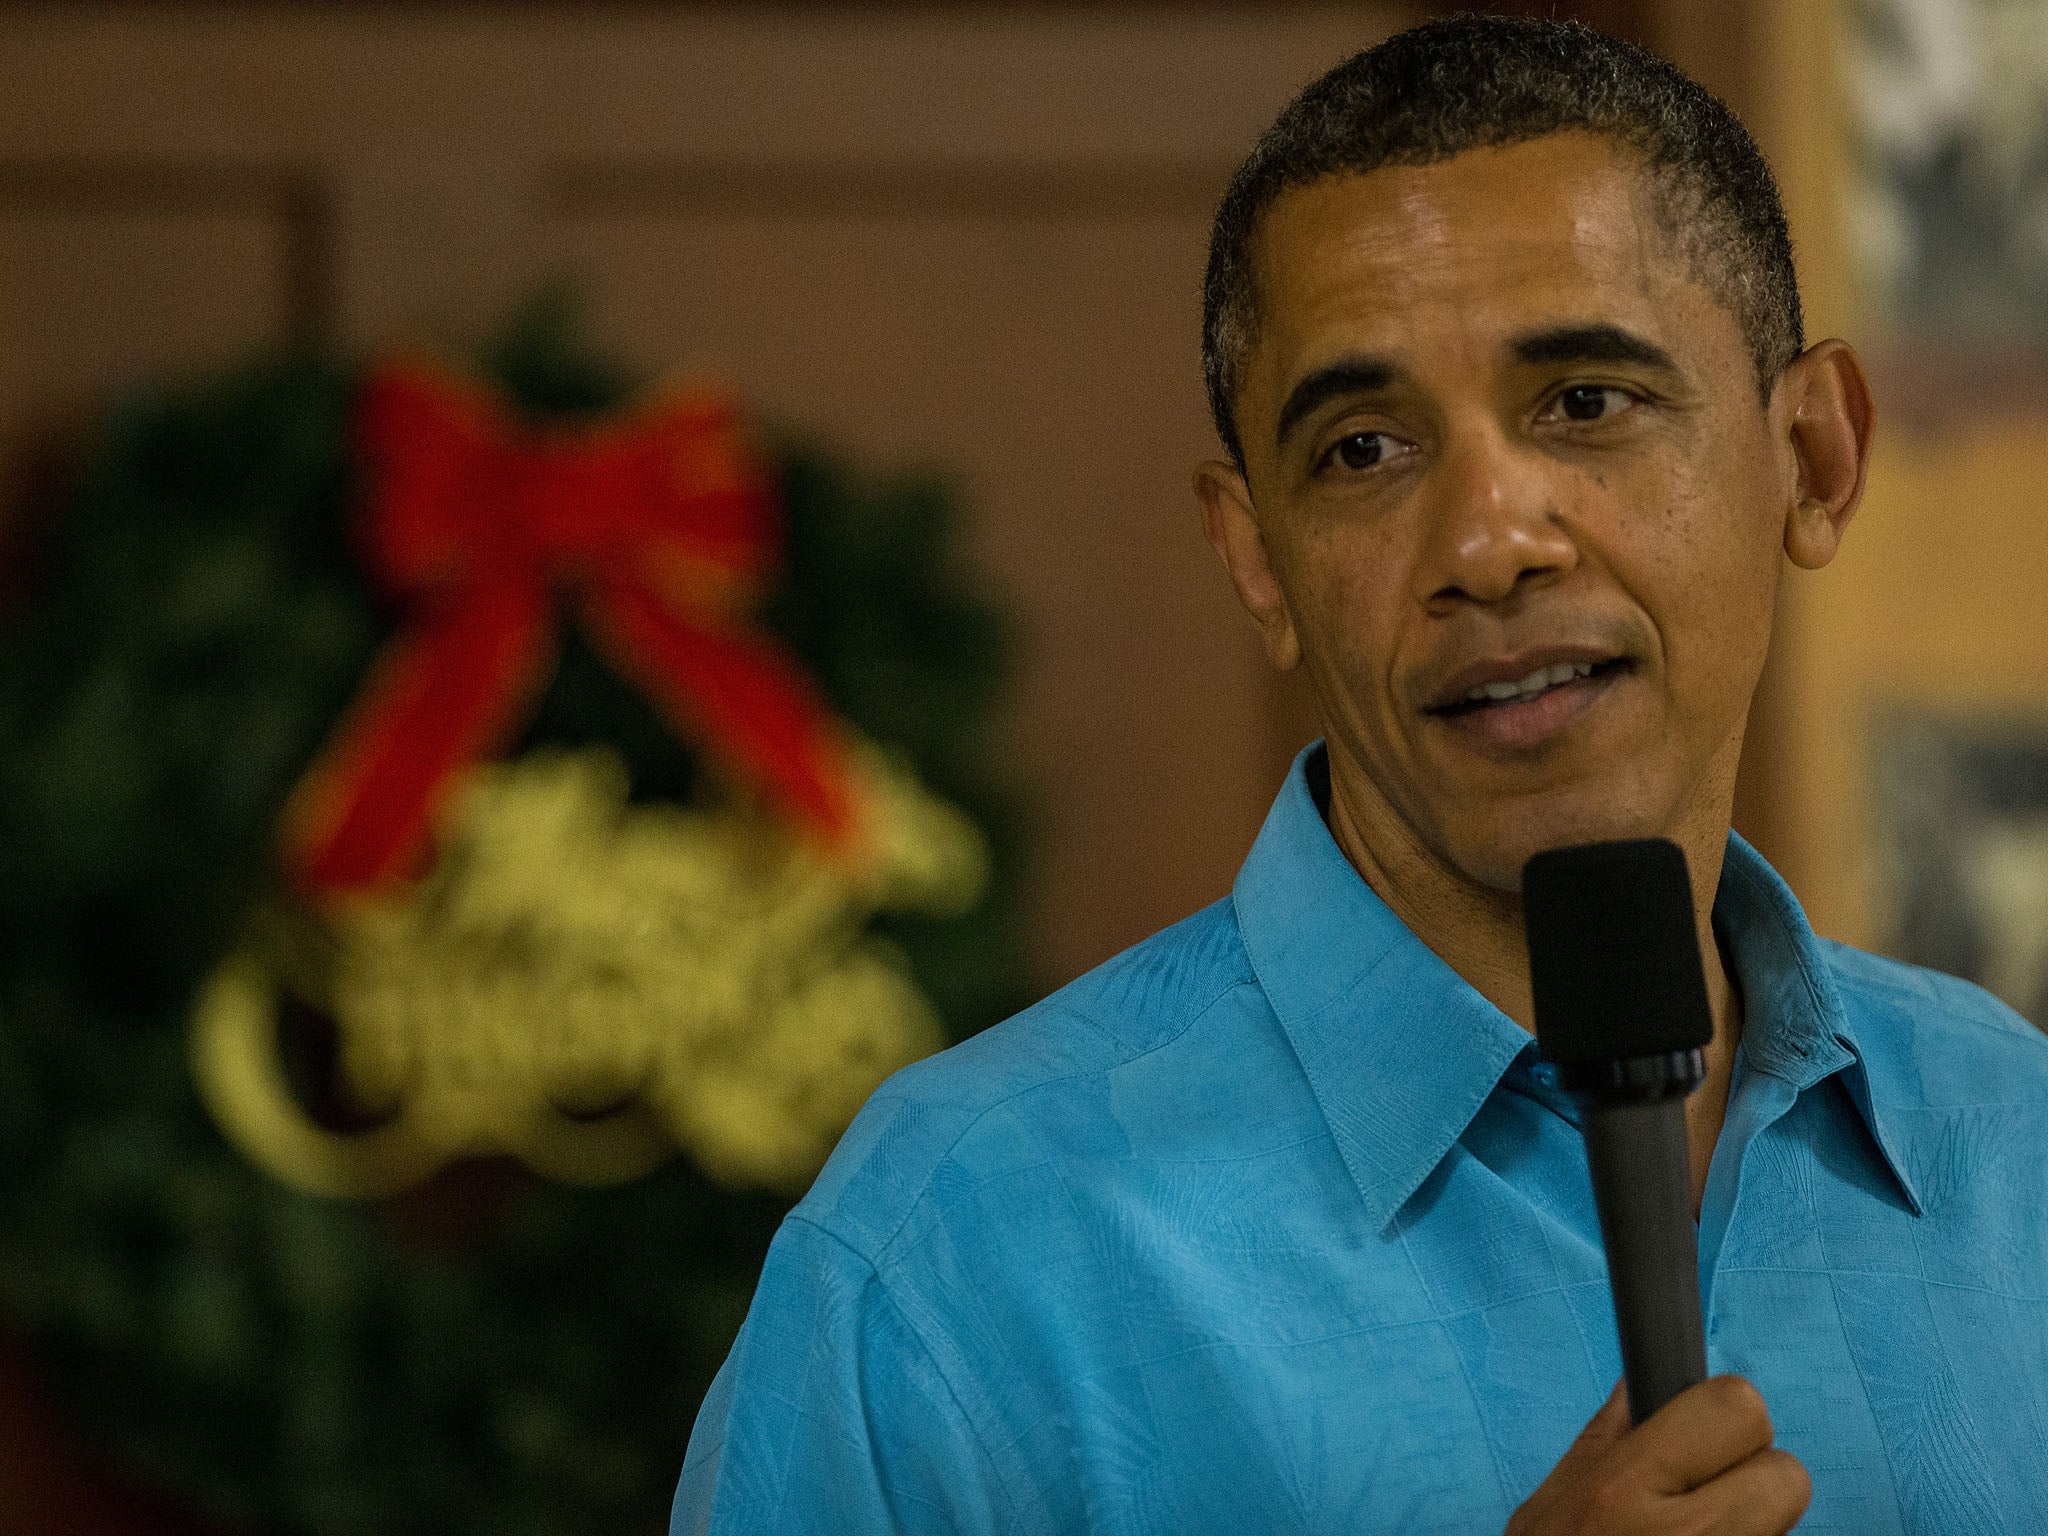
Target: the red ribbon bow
pixel 655 526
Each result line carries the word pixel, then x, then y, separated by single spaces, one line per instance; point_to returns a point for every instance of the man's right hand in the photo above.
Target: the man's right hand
pixel 1703 1462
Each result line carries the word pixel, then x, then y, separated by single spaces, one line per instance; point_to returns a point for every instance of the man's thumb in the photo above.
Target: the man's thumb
pixel 1602 1430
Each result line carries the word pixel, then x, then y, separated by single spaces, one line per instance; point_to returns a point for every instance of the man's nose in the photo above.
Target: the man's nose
pixel 1493 524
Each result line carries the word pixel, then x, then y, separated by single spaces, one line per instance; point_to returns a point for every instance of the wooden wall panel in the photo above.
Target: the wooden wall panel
pixel 99 296
pixel 109 278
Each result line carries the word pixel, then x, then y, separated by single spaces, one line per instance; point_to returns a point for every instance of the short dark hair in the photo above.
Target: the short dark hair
pixel 1473 82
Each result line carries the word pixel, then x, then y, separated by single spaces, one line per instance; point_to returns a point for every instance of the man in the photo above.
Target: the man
pixel 1275 1223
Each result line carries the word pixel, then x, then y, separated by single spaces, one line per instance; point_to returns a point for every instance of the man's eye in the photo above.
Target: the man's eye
pixel 1360 450
pixel 1593 402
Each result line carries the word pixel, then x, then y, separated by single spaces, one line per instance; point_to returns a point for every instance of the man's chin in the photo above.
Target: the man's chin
pixel 1490 851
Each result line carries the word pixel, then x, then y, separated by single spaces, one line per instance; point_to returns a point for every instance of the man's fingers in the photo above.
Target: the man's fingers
pixel 1764 1496
pixel 1702 1462
pixel 1699 1434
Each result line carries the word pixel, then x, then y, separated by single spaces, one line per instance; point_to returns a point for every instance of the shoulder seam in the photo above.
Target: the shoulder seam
pixel 2001 1019
pixel 931 1358
pixel 1877 979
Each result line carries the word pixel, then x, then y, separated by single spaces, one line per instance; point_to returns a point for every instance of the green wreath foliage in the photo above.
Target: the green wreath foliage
pixel 491 1354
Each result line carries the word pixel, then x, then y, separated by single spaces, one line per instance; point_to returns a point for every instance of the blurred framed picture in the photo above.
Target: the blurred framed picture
pixel 1948 204
pixel 1961 806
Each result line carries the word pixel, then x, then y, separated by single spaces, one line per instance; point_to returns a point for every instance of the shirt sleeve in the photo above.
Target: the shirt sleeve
pixel 830 1415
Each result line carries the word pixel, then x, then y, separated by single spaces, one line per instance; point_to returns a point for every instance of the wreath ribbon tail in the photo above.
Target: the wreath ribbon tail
pixel 443 695
pixel 740 694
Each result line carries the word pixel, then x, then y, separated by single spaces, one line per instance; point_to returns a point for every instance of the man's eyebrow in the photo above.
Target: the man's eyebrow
pixel 1591 344
pixel 1346 376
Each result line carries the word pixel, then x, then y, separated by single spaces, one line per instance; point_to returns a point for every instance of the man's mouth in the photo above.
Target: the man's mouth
pixel 1523 690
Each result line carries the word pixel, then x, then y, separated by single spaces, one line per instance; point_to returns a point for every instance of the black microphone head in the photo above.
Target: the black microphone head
pixel 1614 961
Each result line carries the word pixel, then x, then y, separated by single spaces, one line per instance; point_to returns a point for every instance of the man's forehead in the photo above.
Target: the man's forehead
pixel 1492 238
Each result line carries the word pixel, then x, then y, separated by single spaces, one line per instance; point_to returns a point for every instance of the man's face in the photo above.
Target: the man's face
pixel 1499 441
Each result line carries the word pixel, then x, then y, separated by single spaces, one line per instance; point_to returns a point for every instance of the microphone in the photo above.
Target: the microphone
pixel 1621 1009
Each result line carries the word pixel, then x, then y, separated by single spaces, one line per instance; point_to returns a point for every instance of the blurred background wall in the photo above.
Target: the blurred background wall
pixel 971 236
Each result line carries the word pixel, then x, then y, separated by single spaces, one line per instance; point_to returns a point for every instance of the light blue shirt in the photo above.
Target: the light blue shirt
pixel 1274 1224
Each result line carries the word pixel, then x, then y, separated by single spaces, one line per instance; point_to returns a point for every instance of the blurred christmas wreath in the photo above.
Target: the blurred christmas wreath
pixel 410 786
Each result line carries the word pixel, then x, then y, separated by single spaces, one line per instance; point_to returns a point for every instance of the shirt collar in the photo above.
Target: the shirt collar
pixel 1398 1048
pixel 1795 1025
pixel 1401 1051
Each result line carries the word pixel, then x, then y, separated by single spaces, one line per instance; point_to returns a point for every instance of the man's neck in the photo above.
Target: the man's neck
pixel 1477 931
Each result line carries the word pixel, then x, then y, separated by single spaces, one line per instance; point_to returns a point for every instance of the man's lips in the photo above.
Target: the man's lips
pixel 1519 677
pixel 1529 720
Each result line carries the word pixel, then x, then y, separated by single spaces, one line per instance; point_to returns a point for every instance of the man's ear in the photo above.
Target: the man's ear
pixel 1830 418
pixel 1233 532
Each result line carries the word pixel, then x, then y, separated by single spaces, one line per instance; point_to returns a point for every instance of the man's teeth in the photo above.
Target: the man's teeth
pixel 1530 686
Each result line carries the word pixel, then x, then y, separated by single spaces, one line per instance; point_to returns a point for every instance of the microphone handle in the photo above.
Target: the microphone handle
pixel 1642 1185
